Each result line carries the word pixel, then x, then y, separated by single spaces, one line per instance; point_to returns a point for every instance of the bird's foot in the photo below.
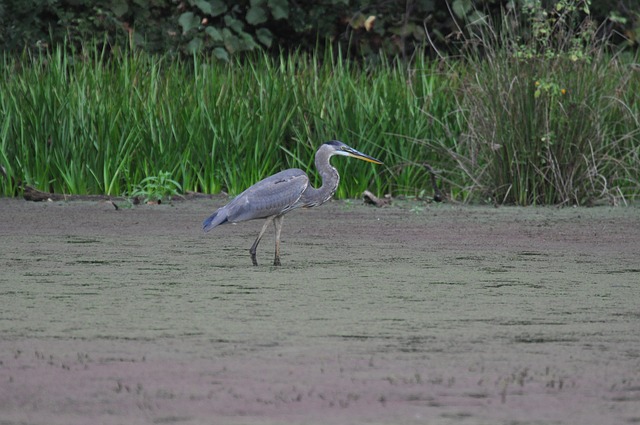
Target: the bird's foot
pixel 276 262
pixel 254 260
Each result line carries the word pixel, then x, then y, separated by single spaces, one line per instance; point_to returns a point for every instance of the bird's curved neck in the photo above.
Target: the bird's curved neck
pixel 330 179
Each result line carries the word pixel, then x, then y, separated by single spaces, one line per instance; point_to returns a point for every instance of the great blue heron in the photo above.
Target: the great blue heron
pixel 280 193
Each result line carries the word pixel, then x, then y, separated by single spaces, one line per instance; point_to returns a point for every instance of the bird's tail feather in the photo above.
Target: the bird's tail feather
pixel 215 219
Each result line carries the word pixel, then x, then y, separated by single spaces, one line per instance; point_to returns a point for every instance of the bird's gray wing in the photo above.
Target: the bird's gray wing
pixel 276 194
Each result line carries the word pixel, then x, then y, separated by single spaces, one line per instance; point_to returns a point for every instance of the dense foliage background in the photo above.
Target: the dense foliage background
pixel 511 102
pixel 226 27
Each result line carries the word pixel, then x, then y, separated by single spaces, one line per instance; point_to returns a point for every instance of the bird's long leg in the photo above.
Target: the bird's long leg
pixel 277 222
pixel 252 251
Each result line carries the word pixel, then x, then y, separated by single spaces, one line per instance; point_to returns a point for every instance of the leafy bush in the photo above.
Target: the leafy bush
pixel 227 29
pixel 361 28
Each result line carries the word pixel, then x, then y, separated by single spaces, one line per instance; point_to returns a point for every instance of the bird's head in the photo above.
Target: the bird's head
pixel 339 148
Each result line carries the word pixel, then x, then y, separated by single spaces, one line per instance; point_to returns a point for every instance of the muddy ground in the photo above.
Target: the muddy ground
pixel 412 314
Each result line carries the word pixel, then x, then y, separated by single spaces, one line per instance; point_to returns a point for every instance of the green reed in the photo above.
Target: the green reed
pixel 504 127
pixel 552 119
pixel 86 123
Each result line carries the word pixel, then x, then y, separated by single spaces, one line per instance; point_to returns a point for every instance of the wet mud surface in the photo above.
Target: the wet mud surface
pixel 406 315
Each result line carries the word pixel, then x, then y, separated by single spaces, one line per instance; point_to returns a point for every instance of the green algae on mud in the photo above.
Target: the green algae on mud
pixel 483 315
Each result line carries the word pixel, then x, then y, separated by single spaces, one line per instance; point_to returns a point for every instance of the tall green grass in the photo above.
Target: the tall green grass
pixel 86 123
pixel 518 123
pixel 550 119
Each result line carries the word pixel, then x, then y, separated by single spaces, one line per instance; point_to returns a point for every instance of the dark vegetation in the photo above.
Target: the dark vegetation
pixel 518 102
pixel 363 28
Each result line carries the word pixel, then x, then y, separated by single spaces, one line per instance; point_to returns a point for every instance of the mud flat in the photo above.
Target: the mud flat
pixel 403 315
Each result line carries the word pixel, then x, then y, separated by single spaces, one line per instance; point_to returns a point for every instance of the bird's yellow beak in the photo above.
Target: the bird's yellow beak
pixel 356 154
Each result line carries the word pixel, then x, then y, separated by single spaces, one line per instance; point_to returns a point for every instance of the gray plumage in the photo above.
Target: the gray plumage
pixel 282 192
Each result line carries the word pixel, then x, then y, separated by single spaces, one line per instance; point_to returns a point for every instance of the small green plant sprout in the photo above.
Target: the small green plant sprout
pixel 417 209
pixel 157 188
